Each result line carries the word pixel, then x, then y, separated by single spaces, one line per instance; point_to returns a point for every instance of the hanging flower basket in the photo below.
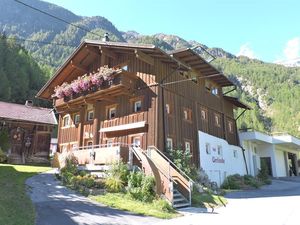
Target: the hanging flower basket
pixel 86 84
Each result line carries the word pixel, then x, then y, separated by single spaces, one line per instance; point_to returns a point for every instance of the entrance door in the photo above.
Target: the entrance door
pixel 292 164
pixel 267 161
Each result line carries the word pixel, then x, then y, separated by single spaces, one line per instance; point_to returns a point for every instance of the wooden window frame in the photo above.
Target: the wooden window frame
pixel 88 115
pixel 135 109
pixel 110 109
pixel 171 141
pixel 230 127
pixel 76 115
pixel 135 138
pixel 63 121
pixel 187 114
pixel 110 142
pixel 205 112
pixel 168 108
pixel 190 144
pixel 217 119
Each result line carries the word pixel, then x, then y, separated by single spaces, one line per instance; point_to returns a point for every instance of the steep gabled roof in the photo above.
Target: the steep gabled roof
pixel 11 111
pixel 196 62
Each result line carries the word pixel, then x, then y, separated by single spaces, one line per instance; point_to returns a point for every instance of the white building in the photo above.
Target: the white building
pixel 220 159
pixel 280 152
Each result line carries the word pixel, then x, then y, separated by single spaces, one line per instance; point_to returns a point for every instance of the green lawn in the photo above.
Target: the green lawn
pixel 15 206
pixel 208 200
pixel 124 202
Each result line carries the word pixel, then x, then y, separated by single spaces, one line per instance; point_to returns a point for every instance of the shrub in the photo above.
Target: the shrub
pixel 4 140
pixel 3 157
pixel 141 187
pixel 119 170
pixel 114 184
pixel 71 165
pixel 232 182
pixel 67 177
pixel 163 205
pixel 263 174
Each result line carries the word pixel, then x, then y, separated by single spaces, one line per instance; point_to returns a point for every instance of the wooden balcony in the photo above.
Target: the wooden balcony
pixel 132 121
pixel 119 85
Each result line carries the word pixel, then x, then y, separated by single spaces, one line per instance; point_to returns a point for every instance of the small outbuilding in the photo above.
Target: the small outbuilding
pixel 28 130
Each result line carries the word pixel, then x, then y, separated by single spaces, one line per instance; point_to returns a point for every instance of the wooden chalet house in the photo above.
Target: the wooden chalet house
pixel 29 129
pixel 111 96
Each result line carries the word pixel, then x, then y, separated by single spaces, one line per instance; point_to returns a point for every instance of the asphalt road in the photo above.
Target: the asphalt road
pixel 276 204
pixel 57 205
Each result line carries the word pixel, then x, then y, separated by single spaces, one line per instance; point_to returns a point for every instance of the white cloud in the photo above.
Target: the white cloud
pixel 292 48
pixel 245 50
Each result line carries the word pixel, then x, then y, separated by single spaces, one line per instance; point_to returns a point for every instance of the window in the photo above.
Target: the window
pixel 214 91
pixel 235 154
pixel 220 151
pixel 138 106
pixel 203 114
pixel 90 115
pixel 112 113
pixel 169 143
pixel 230 127
pixel 66 120
pixel 187 146
pixel 207 148
pixel 110 142
pixel 167 108
pixel 76 119
pixel 217 120
pixel 136 141
pixel 75 146
pixel 187 114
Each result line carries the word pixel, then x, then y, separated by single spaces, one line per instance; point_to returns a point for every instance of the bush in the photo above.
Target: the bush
pixel 71 166
pixel 232 182
pixel 141 187
pixel 119 170
pixel 114 184
pixel 263 174
pixel 3 157
pixel 163 205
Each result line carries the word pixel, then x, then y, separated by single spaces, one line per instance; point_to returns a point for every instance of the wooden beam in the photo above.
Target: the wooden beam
pixel 144 57
pixel 92 50
pixel 78 66
pixel 108 53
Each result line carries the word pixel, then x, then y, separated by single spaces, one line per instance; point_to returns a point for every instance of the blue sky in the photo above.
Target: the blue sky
pixel 263 29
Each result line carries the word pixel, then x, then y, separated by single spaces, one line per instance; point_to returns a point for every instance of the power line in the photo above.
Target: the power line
pixel 55 17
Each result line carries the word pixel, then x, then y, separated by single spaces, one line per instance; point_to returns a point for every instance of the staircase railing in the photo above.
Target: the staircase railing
pixel 179 177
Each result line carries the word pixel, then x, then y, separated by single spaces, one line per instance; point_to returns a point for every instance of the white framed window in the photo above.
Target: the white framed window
pixel 74 146
pixel 167 108
pixel 136 141
pixel 214 91
pixel 217 120
pixel 110 142
pixel 220 150
pixel 76 119
pixel 169 143
pixel 187 114
pixel 187 146
pixel 203 114
pixel 235 154
pixel 137 106
pixel 90 115
pixel 66 120
pixel 112 113
pixel 207 149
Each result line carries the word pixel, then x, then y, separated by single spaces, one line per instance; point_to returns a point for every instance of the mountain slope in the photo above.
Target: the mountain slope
pixel 272 90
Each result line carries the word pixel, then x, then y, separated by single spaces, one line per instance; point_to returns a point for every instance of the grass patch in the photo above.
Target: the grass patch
pixel 15 206
pixel 157 208
pixel 208 200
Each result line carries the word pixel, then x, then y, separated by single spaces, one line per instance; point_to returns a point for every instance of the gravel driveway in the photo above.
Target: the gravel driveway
pixel 57 205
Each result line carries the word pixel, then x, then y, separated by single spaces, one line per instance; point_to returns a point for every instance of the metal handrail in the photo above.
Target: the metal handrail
pixel 176 167
pixel 90 147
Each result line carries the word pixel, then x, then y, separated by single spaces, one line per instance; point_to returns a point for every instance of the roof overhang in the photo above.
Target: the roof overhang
pixel 237 102
pixel 89 49
pixel 196 62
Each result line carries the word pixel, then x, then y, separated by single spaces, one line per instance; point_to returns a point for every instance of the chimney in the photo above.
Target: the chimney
pixel 29 103
pixel 105 38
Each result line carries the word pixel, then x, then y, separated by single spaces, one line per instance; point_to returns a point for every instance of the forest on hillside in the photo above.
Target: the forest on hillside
pixel 21 77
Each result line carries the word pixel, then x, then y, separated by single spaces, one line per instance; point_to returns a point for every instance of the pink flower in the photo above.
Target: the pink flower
pixel 76 86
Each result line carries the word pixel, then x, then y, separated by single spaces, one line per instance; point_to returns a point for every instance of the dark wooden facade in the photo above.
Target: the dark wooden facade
pixel 172 105
pixel 29 129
